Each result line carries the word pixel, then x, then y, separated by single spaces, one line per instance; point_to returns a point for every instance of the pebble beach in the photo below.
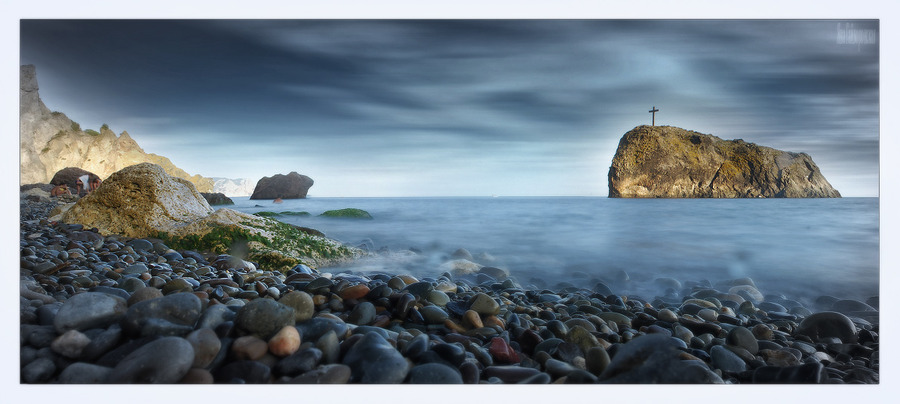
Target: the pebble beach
pixel 112 309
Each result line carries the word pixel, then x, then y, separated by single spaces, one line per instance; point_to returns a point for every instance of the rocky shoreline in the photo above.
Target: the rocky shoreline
pixel 113 309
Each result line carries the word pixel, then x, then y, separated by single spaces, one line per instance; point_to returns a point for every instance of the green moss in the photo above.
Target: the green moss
pixel 92 132
pixel 104 127
pixel 347 213
pixel 56 113
pixel 282 252
pixel 266 214
pixel 76 127
pixel 289 213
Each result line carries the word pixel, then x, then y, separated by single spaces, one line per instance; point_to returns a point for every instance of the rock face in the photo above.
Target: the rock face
pixel 233 187
pixel 670 162
pixel 139 201
pixel 143 201
pixel 291 186
pixel 50 141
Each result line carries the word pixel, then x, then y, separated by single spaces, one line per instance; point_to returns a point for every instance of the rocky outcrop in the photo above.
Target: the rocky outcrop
pixel 670 162
pixel 69 176
pixel 50 141
pixel 291 186
pixel 233 187
pixel 216 198
pixel 143 201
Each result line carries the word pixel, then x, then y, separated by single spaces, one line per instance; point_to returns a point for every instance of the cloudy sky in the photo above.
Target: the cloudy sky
pixel 461 107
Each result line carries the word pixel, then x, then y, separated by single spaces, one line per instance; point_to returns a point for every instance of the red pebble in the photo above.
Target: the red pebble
pixel 502 352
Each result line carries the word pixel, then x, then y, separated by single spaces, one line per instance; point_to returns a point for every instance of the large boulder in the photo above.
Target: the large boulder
pixel 291 186
pixel 139 201
pixel 670 162
pixel 143 201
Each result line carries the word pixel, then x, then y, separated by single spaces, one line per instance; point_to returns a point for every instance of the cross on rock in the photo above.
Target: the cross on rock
pixel 653 111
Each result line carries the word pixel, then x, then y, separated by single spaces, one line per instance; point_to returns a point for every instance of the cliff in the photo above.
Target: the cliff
pixel 50 141
pixel 233 187
pixel 670 162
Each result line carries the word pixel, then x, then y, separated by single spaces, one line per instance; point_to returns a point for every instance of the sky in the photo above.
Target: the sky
pixel 469 107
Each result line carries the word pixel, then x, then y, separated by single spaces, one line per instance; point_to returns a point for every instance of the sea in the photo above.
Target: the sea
pixel 798 248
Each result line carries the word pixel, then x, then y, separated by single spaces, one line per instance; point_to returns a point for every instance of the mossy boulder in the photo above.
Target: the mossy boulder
pixel 670 162
pixel 143 201
pixel 350 213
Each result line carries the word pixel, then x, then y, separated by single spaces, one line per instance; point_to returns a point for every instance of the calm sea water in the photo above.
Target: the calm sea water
pixel 798 247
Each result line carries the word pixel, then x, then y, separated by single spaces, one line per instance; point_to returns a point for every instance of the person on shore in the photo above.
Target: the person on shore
pixel 61 189
pixel 95 183
pixel 79 185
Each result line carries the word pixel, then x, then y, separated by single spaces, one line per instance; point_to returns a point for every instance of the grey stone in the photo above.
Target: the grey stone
pixel 374 360
pixel 84 373
pixel 165 360
pixel 726 360
pixel 434 373
pixel 264 318
pixel 175 314
pixel 89 310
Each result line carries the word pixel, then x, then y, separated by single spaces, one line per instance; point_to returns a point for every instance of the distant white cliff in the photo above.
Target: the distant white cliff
pixel 233 187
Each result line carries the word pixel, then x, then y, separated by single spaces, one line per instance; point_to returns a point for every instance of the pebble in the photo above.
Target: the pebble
pixel 726 360
pixel 89 310
pixel 299 362
pixel 285 342
pixel 70 344
pixel 362 314
pixel 326 374
pixel 84 373
pixel 373 360
pixel 484 305
pixel 828 324
pixel 165 360
pixel 173 314
pixel 434 373
pixel 264 317
pixel 206 346
pixel 249 347
pixel 742 338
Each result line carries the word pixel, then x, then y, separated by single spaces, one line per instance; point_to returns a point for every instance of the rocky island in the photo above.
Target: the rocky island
pixel 670 162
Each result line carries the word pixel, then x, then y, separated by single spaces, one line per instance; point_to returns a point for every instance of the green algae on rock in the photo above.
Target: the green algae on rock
pixel 347 213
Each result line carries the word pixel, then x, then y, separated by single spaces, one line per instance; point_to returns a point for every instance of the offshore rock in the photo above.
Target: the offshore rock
pixel 216 198
pixel 291 186
pixel 670 162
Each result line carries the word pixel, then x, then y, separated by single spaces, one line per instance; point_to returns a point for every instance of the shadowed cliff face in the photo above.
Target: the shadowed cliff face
pixel 50 141
pixel 670 162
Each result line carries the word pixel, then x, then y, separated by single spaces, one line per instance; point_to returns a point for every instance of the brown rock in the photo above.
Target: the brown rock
pixel 285 342
pixel 249 348
pixel 670 162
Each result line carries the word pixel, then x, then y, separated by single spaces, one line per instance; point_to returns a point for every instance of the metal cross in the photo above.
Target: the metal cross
pixel 653 111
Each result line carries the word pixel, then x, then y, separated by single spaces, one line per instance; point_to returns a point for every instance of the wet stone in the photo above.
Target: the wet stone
pixel 285 342
pixel 298 363
pixel 326 374
pixel 84 373
pixel 742 338
pixel 828 324
pixel 509 374
pixel 206 346
pixel 810 373
pixel 174 314
pixel 726 360
pixel 484 305
pixel 70 344
pixel 373 360
pixel 362 314
pixel 264 317
pixel 249 347
pixel 89 310
pixel 434 373
pixel 244 372
pixel 433 315
pixel 38 371
pixel 165 360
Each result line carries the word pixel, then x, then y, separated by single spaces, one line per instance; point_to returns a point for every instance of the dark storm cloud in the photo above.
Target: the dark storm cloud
pixel 410 86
